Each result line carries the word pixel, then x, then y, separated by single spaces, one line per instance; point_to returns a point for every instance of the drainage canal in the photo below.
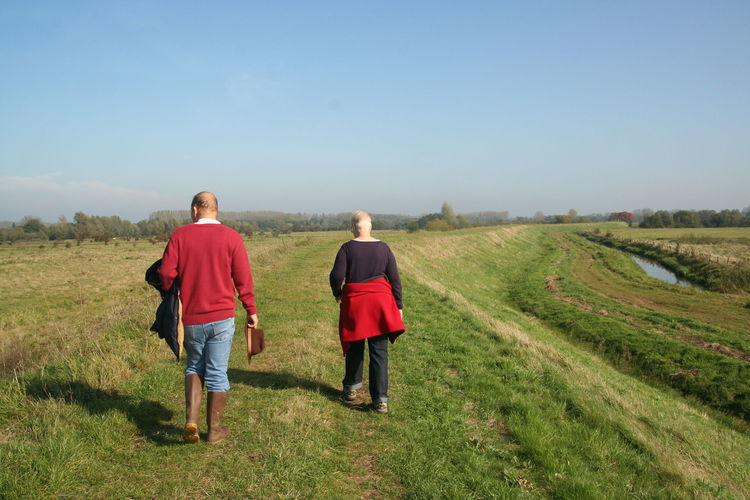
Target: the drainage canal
pixel 656 271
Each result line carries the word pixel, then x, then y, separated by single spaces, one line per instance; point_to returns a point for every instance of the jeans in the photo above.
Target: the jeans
pixel 208 346
pixel 378 347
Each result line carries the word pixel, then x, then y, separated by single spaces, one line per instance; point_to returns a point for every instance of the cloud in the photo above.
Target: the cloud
pixel 47 197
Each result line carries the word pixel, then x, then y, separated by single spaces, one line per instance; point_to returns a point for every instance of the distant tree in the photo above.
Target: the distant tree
pixel 82 228
pixel 448 215
pixel 538 216
pixel 707 217
pixel 686 218
pixel 622 217
pixel 642 213
pixel 462 222
pixel 487 218
pixel 573 214
pixel 14 234
pixel 425 219
pixel 81 218
pixel 412 227
pixel 438 225
pixel 661 218
pixel 729 218
pixel 32 225
pixel 562 219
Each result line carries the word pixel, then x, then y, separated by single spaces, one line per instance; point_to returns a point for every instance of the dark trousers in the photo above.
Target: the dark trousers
pixel 378 347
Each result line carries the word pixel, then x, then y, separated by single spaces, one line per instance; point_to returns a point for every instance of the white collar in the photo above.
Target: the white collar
pixel 206 220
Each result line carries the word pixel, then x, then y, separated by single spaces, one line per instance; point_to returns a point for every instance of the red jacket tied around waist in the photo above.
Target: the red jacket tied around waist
pixel 368 310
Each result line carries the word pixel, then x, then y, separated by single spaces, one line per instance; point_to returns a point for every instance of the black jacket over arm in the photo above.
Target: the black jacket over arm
pixel 168 312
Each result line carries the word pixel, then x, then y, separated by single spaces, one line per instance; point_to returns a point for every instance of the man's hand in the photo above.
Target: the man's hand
pixel 338 299
pixel 402 313
pixel 252 320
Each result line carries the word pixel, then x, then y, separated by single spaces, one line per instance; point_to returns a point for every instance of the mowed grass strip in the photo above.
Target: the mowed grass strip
pixel 485 402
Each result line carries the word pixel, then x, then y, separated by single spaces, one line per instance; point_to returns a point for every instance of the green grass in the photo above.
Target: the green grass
pixel 486 401
pixel 639 347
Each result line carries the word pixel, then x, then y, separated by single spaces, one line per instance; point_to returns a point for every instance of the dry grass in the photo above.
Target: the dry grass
pixel 723 244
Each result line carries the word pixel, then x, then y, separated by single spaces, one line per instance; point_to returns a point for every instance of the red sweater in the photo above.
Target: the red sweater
pixel 210 261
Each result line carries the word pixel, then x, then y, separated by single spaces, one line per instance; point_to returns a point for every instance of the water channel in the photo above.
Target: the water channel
pixel 656 271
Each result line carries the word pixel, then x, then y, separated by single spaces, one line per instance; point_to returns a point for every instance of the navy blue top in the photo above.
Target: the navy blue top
pixel 362 261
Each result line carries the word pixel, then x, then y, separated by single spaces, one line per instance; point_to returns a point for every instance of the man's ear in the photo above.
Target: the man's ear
pixel 194 211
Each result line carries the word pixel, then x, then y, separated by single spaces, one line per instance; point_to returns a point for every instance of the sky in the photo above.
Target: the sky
pixel 127 107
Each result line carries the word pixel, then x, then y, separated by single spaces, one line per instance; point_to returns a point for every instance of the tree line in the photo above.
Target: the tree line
pixel 697 218
pixel 160 224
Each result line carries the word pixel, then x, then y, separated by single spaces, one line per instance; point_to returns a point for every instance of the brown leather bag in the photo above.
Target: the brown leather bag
pixel 256 342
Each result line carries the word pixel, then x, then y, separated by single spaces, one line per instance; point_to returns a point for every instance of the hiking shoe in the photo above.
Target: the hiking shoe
pixel 380 407
pixel 190 434
pixel 349 396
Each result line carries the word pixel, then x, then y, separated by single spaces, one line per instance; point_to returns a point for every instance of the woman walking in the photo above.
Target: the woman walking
pixel 371 308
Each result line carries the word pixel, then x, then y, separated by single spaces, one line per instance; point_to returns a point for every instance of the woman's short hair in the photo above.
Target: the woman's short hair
pixel 360 218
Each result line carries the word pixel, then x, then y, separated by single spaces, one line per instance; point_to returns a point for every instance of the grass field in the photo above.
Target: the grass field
pixel 507 383
pixel 726 244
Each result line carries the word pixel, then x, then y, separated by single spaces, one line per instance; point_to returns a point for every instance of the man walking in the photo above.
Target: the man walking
pixel 210 261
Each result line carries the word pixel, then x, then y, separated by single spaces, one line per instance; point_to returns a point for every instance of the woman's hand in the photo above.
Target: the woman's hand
pixel 338 299
pixel 402 313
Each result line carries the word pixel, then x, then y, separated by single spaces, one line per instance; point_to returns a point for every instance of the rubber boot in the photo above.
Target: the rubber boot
pixel 193 394
pixel 216 403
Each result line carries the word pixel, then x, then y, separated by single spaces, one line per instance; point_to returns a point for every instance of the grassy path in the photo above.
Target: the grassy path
pixel 486 401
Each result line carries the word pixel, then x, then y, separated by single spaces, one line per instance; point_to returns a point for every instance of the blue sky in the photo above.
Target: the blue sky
pixel 125 107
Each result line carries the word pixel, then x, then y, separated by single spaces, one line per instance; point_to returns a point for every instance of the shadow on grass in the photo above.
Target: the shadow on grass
pixel 147 415
pixel 284 380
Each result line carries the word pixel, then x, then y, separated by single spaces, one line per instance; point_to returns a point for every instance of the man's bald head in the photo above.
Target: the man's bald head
pixel 204 204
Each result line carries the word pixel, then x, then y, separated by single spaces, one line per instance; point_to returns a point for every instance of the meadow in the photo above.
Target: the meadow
pixel 537 363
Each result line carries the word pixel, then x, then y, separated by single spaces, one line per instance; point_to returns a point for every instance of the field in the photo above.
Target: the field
pixel 537 363
pixel 722 244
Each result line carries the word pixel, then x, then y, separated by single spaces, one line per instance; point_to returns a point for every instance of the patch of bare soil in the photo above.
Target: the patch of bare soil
pixel 365 473
pixel 716 347
pixel 366 469
pixel 551 283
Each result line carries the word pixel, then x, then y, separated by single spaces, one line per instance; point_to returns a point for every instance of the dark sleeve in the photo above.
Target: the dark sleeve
pixel 338 273
pixel 391 272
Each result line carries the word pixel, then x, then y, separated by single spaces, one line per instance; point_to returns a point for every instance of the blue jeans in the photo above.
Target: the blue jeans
pixel 208 346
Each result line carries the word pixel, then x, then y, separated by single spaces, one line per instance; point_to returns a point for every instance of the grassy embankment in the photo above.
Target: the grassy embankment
pixel 486 401
pixel 657 344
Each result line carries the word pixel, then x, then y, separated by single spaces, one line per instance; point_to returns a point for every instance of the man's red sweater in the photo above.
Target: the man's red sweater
pixel 210 261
